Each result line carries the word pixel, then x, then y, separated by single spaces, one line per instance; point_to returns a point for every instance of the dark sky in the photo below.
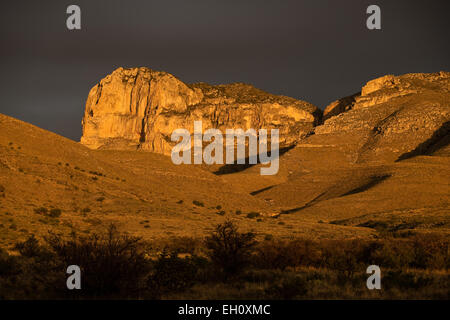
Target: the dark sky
pixel 316 50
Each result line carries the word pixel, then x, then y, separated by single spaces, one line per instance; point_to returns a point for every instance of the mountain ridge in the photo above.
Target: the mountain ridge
pixel 384 161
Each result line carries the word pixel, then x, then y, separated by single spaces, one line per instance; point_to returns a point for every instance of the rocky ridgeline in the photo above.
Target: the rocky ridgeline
pixel 140 108
pixel 392 115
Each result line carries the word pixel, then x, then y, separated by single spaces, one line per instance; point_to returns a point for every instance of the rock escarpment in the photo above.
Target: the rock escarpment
pixel 383 152
pixel 339 106
pixel 393 116
pixel 140 108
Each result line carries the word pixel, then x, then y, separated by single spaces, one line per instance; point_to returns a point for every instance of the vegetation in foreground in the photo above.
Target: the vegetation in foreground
pixel 226 265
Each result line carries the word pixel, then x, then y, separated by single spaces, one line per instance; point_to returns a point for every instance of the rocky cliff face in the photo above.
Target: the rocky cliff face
pixel 393 116
pixel 140 108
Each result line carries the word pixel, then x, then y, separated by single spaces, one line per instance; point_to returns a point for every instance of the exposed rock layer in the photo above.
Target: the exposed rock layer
pixel 140 108
pixel 392 116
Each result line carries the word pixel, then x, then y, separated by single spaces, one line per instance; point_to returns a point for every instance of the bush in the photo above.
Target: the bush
pixel 229 250
pixel 198 203
pixel 400 279
pixel 287 289
pixel 252 215
pixel 431 251
pixel 283 254
pixel 41 210
pixel 342 259
pixel 117 266
pixel 35 274
pixel 112 264
pixel 171 274
pixel 187 245
pixel 275 255
pixel 9 265
pixel 29 248
pixel 55 213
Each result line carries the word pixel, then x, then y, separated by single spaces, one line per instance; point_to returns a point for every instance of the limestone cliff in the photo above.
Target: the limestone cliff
pixel 140 108
pixel 393 116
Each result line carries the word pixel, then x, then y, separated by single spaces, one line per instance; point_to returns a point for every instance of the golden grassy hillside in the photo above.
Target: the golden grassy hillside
pixel 52 183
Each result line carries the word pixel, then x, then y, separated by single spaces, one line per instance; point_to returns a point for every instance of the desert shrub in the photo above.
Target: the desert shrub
pixel 9 265
pixel 198 203
pixel 221 213
pixel 29 248
pixel 55 213
pixel 252 215
pixel 393 254
pixel 171 274
pixel 289 288
pixel 401 279
pixel 41 210
pixel 230 250
pixel 283 254
pixel 100 199
pixel 431 252
pixel 117 266
pixel 419 251
pixel 85 210
pixel 273 255
pixel 342 256
pixel 35 273
pixel 112 264
pixel 182 245
pixel 2 189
